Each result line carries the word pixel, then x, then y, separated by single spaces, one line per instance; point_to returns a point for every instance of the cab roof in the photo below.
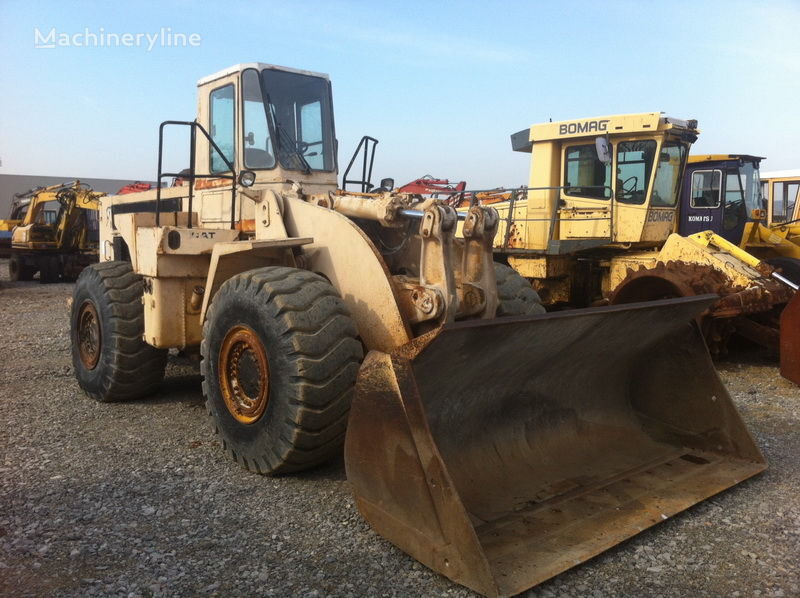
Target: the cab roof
pixel 724 157
pixel 792 173
pixel 236 68
pixel 644 122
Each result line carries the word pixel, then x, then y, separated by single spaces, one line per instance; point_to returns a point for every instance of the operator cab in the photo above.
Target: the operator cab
pixel 273 121
pixel 781 192
pixel 722 193
pixel 257 125
pixel 602 181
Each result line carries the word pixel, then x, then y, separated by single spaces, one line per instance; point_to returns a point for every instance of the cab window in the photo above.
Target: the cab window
pixel 735 211
pixel 667 185
pixel 634 165
pixel 785 194
pixel 584 174
pixel 222 118
pixel 258 151
pixel 706 186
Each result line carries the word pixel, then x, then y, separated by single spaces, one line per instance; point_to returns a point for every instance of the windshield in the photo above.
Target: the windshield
pixel 301 120
pixel 668 175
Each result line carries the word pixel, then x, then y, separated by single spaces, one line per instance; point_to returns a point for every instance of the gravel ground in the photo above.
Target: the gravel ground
pixel 136 499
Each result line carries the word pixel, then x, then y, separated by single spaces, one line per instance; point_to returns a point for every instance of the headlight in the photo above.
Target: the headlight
pixel 247 178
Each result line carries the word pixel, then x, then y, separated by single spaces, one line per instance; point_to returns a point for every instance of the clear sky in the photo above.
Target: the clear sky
pixel 442 85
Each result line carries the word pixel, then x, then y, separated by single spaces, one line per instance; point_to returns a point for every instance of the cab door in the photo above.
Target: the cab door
pixel 215 190
pixel 734 213
pixel 701 201
pixel 585 197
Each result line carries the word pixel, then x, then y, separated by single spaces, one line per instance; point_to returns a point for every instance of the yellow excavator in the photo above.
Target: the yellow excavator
pixel 497 444
pixel 19 207
pixel 58 235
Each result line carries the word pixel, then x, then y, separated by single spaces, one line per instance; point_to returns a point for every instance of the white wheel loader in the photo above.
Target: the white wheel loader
pixel 497 444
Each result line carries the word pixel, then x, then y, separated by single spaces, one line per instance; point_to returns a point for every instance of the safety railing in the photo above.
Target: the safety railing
pixel 194 126
pixel 366 167
pixel 520 193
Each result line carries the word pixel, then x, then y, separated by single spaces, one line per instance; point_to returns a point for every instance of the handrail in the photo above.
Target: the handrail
pixel 366 173
pixel 193 126
pixel 553 218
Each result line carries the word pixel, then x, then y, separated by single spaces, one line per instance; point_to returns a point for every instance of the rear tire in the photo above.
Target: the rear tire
pixel 49 269
pixel 515 294
pixel 17 271
pixel 110 359
pixel 280 359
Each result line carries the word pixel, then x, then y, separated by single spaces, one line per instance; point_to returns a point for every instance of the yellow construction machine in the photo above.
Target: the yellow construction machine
pixel 781 192
pixel 723 193
pixel 599 224
pixel 58 234
pixel 781 197
pixel 19 207
pixel 497 450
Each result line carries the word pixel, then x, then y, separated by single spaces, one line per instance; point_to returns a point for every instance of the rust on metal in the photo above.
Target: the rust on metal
pixel 244 374
pixel 790 340
pixel 729 314
pixel 90 343
pixel 520 447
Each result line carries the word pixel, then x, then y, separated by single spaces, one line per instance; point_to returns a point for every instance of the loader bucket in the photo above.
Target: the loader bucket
pixel 790 340
pixel 503 452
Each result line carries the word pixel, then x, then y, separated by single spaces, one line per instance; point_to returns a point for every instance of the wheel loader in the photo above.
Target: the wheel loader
pixel 58 234
pixel 497 444
pixel 599 223
pixel 723 193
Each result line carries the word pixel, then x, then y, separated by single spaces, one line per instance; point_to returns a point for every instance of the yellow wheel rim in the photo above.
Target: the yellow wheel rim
pixel 244 374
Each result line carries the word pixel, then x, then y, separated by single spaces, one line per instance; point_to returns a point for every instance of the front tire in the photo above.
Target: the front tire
pixel 280 358
pixel 515 295
pixel 110 359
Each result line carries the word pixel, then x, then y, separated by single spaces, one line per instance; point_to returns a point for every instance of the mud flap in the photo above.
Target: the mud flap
pixel 501 453
pixel 790 340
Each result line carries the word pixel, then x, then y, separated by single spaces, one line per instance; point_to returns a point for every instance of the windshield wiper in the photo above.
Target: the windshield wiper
pixel 286 145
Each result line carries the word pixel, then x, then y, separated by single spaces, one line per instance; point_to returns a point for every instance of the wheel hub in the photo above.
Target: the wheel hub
pixel 89 338
pixel 244 374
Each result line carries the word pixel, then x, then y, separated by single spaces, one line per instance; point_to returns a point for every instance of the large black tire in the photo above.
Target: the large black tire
pixel 17 272
pixel 515 295
pixel 110 359
pixel 49 269
pixel 280 355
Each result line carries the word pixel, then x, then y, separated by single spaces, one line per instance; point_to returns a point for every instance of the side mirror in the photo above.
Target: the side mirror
pixel 603 147
pixel 387 184
pixel 247 178
pixel 250 138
